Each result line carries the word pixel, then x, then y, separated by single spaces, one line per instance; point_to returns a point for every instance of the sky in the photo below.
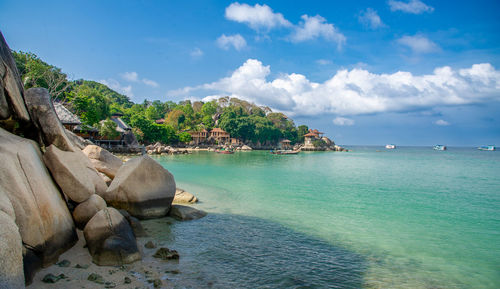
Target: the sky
pixel 409 72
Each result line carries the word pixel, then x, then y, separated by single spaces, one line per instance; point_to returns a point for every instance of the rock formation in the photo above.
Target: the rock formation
pixel 86 210
pixel 103 161
pixel 142 187
pixel 183 197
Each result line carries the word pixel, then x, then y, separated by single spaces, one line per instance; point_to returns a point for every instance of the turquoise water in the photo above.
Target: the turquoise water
pixel 369 218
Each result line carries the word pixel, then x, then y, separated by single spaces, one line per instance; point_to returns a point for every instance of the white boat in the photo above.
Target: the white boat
pixel 390 146
pixel 486 148
pixel 440 147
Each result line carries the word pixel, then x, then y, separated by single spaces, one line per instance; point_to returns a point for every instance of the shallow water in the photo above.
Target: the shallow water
pixel 369 218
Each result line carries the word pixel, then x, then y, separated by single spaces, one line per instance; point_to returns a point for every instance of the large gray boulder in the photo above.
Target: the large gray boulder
pixel 110 239
pixel 70 173
pixel 45 119
pixel 103 161
pixel 11 247
pixel 86 210
pixel 185 213
pixel 43 219
pixel 11 87
pixel 77 140
pixel 142 187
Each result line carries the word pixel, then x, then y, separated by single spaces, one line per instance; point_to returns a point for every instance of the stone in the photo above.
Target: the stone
pixel 142 187
pixel 166 254
pixel 185 213
pixel 11 252
pixel 136 225
pixel 150 245
pixel 77 140
pixel 11 86
pixel 110 239
pixel 50 278
pixel 105 178
pixel 103 161
pixel 96 278
pixel 64 263
pixel 157 283
pixel 246 148
pixel 45 119
pixel 127 280
pixel 70 173
pixel 41 214
pixel 79 266
pixel 183 197
pixel 86 210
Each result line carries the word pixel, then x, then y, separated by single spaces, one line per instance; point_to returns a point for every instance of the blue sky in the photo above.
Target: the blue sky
pixel 408 72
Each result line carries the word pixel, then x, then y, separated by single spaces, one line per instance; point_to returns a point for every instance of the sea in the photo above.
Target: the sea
pixel 411 217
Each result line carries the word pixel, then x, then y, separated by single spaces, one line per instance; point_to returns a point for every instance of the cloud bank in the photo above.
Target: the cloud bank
pixel 418 44
pixel 257 16
pixel 413 7
pixel 237 41
pixel 356 91
pixel 370 18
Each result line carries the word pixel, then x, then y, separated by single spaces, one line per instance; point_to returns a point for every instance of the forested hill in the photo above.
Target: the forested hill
pixel 93 102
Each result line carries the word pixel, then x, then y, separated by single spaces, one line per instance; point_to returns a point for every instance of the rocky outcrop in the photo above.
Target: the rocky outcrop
pixel 142 187
pixel 78 141
pixel 11 87
pixel 110 239
pixel 86 210
pixel 185 213
pixel 43 219
pixel 103 161
pixel 183 197
pixel 45 119
pixel 136 225
pixel 11 248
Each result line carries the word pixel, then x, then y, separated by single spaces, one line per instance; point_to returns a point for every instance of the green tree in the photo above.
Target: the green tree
pixel 108 129
pixel 184 137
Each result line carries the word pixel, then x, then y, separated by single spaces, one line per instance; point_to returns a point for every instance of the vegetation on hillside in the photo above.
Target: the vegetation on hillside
pixel 94 102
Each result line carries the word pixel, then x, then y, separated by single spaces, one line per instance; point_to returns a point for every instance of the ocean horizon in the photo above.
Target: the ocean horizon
pixel 369 218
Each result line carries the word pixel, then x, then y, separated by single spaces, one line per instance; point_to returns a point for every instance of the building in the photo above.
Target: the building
pixel 285 144
pixel 310 137
pixel 220 135
pixel 198 136
pixel 160 121
pixel 235 142
pixel 67 118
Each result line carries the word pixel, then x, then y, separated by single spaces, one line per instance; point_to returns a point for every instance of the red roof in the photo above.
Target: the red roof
pixel 160 121
pixel 311 134
pixel 218 130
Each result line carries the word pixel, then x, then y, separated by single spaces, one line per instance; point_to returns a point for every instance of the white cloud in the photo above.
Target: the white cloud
pixel 418 44
pixel 237 41
pixel 150 82
pixel 116 86
pixel 315 27
pixel 356 91
pixel 130 76
pixel 257 16
pixel 370 18
pixel 196 53
pixel 342 121
pixel 414 6
pixel 442 122
pixel 324 62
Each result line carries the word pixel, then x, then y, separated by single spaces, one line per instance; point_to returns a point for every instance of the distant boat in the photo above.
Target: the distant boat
pixel 390 146
pixel 440 147
pixel 284 152
pixel 224 151
pixel 486 148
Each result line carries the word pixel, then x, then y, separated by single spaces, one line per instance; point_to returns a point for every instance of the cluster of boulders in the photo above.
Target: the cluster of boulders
pixel 53 182
pixel 160 149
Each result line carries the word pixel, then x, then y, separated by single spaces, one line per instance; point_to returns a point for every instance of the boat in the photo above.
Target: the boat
pixel 440 147
pixel 284 152
pixel 487 148
pixel 390 146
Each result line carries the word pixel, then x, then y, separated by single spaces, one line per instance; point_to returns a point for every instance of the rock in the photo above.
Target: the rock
pixel 185 213
pixel 86 210
pixel 109 284
pixel 157 283
pixel 142 187
pixel 11 252
pixel 64 263
pixel 127 280
pixel 103 161
pixel 150 245
pixel 105 178
pixel 11 87
pixel 50 278
pixel 78 266
pixel 166 254
pixel 70 173
pixel 183 197
pixel 77 140
pixel 246 148
pixel 45 119
pixel 41 214
pixel 96 278
pixel 136 225
pixel 110 239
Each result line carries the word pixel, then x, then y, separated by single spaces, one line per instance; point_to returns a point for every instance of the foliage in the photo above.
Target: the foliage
pixel 184 137
pixel 108 129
